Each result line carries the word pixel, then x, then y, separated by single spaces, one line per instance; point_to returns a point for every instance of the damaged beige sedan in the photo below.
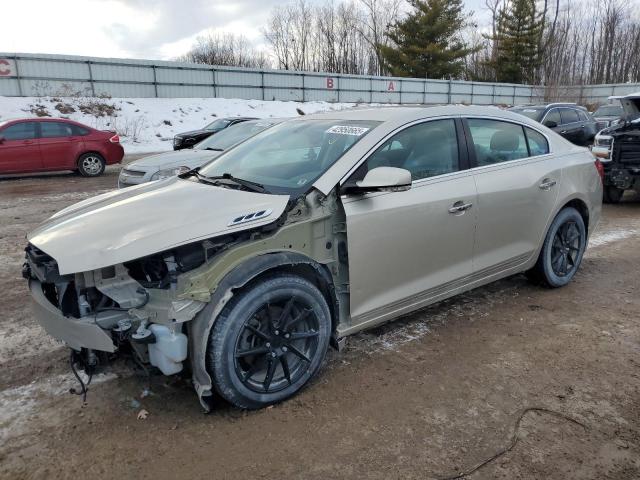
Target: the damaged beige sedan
pixel 242 272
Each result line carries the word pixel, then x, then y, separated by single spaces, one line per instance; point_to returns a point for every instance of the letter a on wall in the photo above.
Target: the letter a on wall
pixel 391 87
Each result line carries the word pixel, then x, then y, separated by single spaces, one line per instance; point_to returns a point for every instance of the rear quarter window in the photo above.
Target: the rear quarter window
pixel 538 144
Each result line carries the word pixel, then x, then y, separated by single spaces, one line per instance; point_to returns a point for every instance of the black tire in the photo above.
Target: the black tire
pixel 612 194
pixel 562 250
pixel 91 165
pixel 263 319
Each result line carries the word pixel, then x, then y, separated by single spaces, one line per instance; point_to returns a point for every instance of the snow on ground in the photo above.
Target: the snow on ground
pixel 149 124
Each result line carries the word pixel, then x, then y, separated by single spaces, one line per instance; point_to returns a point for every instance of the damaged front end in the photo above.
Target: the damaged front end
pixel 152 308
pixel 619 147
pixel 126 308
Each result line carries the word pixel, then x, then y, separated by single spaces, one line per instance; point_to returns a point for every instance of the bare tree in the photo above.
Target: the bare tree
pixel 225 49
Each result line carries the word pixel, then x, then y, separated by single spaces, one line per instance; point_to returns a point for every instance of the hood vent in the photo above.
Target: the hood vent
pixel 250 217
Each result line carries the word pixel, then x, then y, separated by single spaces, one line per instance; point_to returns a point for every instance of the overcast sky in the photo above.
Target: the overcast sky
pixel 153 29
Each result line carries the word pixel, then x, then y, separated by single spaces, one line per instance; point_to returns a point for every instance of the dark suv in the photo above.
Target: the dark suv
pixel 571 121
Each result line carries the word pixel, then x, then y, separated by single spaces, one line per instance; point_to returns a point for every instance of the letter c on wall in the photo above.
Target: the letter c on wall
pixel 5 71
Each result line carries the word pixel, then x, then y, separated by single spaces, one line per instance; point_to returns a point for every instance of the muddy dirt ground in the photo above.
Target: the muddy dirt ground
pixel 421 398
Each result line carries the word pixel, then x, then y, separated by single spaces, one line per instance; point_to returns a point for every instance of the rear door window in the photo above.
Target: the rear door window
pixel 569 115
pixel 553 116
pixel 20 131
pixel 495 141
pixel 55 129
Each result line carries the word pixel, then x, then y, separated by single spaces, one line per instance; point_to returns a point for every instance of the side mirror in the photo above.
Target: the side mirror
pixel 383 179
pixel 550 124
pixel 2 139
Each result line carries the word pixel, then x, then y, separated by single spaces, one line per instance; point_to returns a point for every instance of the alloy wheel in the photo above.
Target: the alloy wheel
pixel 276 345
pixel 92 165
pixel 565 249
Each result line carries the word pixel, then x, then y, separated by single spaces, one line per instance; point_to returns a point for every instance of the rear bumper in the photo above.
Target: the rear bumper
pixel 77 333
pixel 115 153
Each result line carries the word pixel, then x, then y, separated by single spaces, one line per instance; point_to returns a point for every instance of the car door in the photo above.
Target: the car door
pixel 59 145
pixel 517 180
pixel 19 149
pixel 571 126
pixel 406 248
pixel 589 127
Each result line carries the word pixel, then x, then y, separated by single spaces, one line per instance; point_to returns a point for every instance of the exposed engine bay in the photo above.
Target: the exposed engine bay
pixel 143 308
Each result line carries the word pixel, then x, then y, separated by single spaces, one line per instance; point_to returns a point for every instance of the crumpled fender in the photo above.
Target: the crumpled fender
pixel 202 324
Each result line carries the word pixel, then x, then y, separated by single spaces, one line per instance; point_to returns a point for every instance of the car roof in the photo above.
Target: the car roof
pixel 406 114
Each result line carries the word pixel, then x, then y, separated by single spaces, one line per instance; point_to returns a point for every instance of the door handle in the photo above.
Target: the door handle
pixel 460 207
pixel 547 184
pixel 563 132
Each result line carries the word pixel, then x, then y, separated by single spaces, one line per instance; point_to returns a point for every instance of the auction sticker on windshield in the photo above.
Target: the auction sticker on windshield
pixel 348 130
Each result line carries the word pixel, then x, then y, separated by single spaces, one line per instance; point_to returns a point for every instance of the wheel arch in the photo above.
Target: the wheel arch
pixel 251 270
pixel 581 206
pixel 574 201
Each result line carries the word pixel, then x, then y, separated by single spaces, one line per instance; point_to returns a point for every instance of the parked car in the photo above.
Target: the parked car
pixel 571 121
pixel 618 147
pixel 247 268
pixel 606 115
pixel 189 139
pixel 165 165
pixel 47 144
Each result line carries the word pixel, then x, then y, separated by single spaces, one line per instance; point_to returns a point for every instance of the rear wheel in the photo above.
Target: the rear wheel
pixel 612 194
pixel 269 341
pixel 562 250
pixel 91 165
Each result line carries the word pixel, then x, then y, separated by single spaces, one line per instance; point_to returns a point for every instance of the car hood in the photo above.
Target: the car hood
pixel 190 158
pixel 124 225
pixel 631 105
pixel 194 132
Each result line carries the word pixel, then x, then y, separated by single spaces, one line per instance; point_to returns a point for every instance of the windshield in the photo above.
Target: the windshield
pixel 532 113
pixel 232 135
pixel 608 111
pixel 289 157
pixel 218 124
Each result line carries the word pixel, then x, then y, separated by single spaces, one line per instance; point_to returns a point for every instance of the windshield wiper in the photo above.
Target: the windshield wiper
pixel 252 186
pixel 215 149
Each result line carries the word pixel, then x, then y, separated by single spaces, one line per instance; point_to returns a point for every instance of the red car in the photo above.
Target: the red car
pixel 44 145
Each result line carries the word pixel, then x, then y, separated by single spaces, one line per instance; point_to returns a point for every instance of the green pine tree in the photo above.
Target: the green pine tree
pixel 517 40
pixel 428 42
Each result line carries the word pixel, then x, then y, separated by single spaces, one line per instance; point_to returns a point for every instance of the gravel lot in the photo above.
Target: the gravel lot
pixel 421 398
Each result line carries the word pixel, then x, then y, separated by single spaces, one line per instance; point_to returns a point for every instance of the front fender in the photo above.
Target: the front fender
pixel 202 324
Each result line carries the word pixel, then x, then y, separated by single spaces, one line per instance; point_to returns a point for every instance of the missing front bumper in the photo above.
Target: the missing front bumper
pixel 77 333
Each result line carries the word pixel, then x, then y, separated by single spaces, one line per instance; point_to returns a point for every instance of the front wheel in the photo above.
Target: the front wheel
pixel 269 341
pixel 91 165
pixel 562 250
pixel 612 194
